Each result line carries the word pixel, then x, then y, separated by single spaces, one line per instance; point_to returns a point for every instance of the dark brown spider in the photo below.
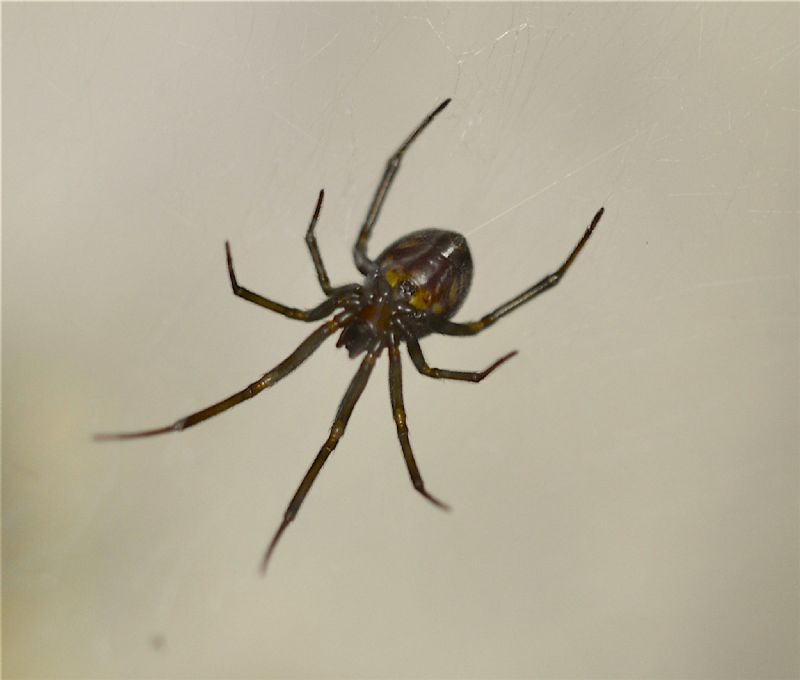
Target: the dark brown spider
pixel 412 289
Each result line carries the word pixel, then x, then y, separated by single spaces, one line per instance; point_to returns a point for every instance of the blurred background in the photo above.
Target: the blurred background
pixel 624 491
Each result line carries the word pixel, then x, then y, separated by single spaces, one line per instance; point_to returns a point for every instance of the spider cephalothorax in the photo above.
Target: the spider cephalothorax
pixel 410 290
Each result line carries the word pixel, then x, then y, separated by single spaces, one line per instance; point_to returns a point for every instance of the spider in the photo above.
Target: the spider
pixel 410 290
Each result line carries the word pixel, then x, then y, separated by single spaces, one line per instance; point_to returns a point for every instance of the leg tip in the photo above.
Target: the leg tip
pixel 439 504
pixel 499 363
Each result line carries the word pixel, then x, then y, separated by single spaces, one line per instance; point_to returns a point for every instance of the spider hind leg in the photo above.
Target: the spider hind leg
pixel 303 351
pixel 346 406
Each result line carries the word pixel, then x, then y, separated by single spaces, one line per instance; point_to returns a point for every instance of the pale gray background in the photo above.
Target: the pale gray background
pixel 625 491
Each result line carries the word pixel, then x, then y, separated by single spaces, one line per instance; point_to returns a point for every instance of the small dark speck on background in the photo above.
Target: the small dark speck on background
pixel 158 642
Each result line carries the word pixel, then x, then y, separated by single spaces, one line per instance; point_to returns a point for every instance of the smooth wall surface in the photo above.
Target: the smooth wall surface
pixel 624 491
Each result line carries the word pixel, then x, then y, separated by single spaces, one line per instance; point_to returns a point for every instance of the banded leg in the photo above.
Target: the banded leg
pixel 305 350
pixel 364 264
pixel 451 328
pixel 415 352
pixel 313 248
pixel 399 413
pixel 322 310
pixel 346 406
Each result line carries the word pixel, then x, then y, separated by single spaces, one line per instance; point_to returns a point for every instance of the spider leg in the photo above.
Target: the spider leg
pixel 311 242
pixel 364 264
pixel 304 350
pixel 337 297
pixel 399 413
pixel 446 327
pixel 415 352
pixel 346 406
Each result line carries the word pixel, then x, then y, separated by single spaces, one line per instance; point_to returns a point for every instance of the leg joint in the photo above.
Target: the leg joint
pixel 337 430
pixel 400 420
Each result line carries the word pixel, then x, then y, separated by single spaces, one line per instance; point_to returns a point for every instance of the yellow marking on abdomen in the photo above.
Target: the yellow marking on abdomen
pixel 421 299
pixel 393 276
pixel 452 296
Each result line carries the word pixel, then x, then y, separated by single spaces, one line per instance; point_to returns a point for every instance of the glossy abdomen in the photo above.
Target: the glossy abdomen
pixel 430 270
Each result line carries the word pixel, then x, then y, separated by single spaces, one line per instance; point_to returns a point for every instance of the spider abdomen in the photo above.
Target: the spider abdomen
pixel 429 270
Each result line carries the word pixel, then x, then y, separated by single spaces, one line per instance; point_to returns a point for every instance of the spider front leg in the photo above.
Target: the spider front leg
pixel 304 350
pixel 446 327
pixel 346 406
pixel 399 413
pixel 415 352
pixel 364 264
pixel 335 299
pixel 313 248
